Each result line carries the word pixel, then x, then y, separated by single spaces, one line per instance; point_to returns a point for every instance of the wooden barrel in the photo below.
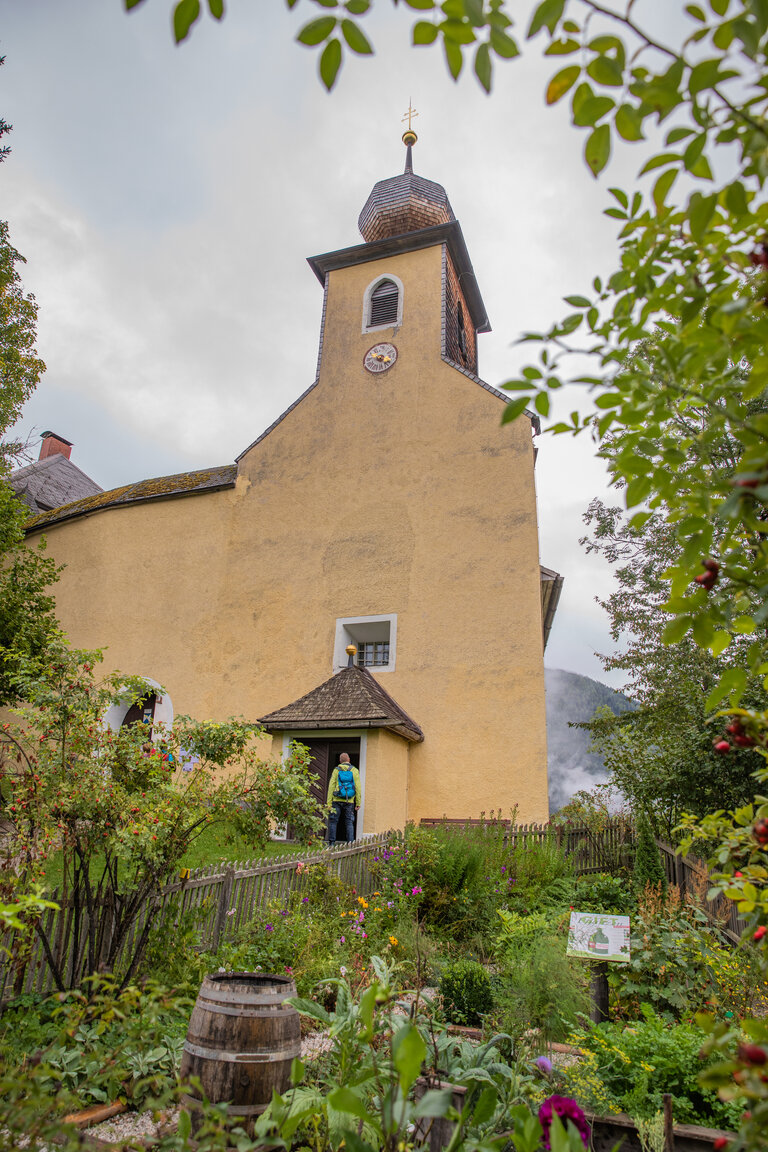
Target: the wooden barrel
pixel 241 1040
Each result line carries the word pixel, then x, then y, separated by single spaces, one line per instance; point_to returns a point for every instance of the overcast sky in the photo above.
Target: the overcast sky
pixel 166 200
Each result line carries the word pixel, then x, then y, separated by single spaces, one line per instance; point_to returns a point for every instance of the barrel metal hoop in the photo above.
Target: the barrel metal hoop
pixel 260 1056
pixel 223 1010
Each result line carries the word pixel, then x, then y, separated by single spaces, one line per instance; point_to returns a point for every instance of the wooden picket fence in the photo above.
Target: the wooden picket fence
pixel 590 850
pixel 691 876
pixel 219 900
pixel 222 898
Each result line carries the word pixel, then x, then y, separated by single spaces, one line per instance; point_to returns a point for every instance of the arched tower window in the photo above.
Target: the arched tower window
pixel 383 304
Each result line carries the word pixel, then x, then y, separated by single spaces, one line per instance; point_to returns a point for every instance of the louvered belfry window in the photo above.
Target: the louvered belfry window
pixel 383 304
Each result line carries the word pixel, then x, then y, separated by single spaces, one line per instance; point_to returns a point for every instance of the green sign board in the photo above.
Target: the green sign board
pixel 595 936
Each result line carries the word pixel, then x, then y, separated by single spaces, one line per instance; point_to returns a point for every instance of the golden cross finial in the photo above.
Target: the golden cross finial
pixel 409 115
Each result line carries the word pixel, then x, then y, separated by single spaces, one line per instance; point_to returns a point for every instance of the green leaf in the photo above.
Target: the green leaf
pixel 541 403
pixel 592 110
pixel 720 642
pixel 547 14
pixel 719 7
pixel 629 123
pixel 421 5
pixel 678 134
pixel 736 199
pixel 357 7
pixel 424 32
pixel 503 44
pixel 132 4
pixel 330 62
pixel 317 30
pixel 457 32
pixel 434 1102
pixel 345 1100
pixel 703 75
pixel 598 149
pixel 577 301
pixel 659 161
pixel 696 12
pixel 408 1054
pixel 637 491
pixel 355 38
pixel 604 70
pixel 216 8
pixel 185 14
pixel 561 82
pixel 608 400
pixel 732 682
pixel 453 57
pixel 562 47
pixel 473 10
pixel 701 209
pixel 662 186
pixel 184 1128
pixel 485 1106
pixel 514 409
pixel 483 67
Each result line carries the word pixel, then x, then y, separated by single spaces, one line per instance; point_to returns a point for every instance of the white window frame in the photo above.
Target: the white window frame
pixel 355 629
pixel 367 303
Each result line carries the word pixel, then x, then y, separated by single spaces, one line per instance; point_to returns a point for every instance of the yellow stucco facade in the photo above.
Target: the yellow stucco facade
pixel 396 495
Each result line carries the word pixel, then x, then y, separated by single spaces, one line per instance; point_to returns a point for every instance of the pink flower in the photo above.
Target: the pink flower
pixel 566 1109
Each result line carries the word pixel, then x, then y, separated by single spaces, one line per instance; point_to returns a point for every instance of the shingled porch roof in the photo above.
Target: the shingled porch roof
pixel 353 698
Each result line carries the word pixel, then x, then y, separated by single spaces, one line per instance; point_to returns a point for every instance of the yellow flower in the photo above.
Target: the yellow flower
pixel 393 941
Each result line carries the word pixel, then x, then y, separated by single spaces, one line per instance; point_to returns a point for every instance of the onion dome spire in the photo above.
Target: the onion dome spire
pixel 404 203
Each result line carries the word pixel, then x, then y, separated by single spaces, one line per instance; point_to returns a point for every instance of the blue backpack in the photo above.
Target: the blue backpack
pixel 345 787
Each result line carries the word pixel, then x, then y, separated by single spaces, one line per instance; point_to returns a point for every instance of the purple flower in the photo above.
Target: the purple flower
pixel 544 1065
pixel 416 891
pixel 305 899
pixel 566 1109
pixel 268 928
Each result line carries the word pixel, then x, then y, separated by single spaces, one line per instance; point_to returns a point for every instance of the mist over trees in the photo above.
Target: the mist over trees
pixel 574 699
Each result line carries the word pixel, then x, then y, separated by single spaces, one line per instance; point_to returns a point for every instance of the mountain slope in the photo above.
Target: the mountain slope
pixel 572 698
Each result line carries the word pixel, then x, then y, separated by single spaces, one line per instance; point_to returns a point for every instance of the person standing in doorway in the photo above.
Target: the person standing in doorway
pixel 344 798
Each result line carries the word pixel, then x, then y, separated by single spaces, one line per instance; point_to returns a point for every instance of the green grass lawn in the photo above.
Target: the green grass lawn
pixel 217 843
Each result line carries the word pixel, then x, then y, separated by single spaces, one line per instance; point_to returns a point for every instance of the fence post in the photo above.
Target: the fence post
pixel 221 911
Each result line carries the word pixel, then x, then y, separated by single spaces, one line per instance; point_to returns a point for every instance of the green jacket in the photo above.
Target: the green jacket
pixel 332 783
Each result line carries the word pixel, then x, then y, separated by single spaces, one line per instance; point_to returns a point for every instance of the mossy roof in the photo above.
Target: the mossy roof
pixel 353 698
pixel 161 488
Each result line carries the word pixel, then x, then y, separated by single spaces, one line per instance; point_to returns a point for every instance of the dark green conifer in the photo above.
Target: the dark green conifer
pixel 648 866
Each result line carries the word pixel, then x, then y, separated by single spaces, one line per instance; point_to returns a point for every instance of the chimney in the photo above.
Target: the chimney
pixel 54 445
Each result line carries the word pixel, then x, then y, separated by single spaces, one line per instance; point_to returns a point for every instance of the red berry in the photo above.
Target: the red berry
pixel 747 483
pixel 744 741
pixel 722 746
pixel 711 566
pixel 752 1054
pixel 720 1143
pixel 760 932
pixel 761 830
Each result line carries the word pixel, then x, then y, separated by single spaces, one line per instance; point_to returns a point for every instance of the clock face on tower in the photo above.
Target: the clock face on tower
pixel 380 357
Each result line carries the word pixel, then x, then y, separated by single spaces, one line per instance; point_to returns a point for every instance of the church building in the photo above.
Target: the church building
pixel 365 577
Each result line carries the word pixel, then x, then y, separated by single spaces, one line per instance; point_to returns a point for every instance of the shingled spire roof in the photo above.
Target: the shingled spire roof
pixel 404 203
pixel 352 698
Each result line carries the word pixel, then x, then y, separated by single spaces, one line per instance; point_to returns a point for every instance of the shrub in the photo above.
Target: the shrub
pixel 678 964
pixel 602 892
pixel 465 987
pixel 541 986
pixel 638 1064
